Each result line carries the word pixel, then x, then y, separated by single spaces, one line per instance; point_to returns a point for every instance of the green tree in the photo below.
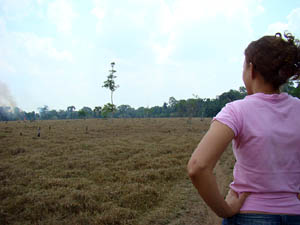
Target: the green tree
pixel 62 114
pixel 97 111
pixel 108 109
pixel 18 114
pixel 125 111
pixel 165 110
pixel 296 91
pixel 172 106
pixel 88 111
pixel 81 113
pixel 181 108
pixel 52 114
pixel 156 111
pixel 70 110
pixel 111 85
pixel 191 105
pixel 140 112
pixel 243 91
pixel 212 107
pixel 30 116
pixel 44 112
pixel 292 88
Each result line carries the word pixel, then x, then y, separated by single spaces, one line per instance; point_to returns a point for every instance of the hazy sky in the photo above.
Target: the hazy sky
pixel 58 52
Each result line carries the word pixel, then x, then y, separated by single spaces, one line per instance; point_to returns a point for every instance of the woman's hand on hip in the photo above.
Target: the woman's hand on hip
pixel 235 200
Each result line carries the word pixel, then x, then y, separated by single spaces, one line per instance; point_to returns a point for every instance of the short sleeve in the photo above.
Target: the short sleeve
pixel 229 116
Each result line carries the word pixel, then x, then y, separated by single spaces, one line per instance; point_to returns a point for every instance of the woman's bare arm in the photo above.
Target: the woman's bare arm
pixel 200 169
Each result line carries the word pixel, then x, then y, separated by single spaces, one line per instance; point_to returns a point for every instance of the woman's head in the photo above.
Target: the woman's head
pixel 276 58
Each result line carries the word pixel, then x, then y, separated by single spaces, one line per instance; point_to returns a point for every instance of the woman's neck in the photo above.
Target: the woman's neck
pixel 260 86
pixel 266 91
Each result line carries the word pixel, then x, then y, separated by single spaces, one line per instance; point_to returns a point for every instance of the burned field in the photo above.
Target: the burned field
pixel 120 171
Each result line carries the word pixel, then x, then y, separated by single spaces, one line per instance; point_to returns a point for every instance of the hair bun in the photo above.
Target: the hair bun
pixel 277 58
pixel 285 72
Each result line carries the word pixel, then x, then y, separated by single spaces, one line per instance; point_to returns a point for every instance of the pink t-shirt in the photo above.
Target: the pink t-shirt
pixel 267 151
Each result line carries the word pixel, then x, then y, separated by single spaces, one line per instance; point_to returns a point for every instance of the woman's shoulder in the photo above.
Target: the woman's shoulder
pixel 245 105
pixel 238 103
pixel 293 98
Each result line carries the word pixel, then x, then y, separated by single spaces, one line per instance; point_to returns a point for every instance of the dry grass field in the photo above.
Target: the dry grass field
pixel 112 172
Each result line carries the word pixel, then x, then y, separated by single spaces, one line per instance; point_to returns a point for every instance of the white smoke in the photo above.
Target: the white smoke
pixel 6 98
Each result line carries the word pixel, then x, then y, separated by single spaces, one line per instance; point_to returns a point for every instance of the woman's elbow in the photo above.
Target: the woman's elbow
pixel 195 168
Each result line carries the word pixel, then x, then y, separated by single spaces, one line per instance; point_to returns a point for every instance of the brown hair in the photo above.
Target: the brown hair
pixel 275 58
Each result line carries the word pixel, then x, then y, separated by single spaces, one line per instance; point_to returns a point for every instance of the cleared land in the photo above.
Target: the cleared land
pixel 113 172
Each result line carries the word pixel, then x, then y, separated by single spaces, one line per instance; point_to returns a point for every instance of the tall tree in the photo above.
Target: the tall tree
pixel 111 85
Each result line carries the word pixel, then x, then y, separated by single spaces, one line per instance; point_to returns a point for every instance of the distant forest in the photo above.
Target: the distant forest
pixel 193 107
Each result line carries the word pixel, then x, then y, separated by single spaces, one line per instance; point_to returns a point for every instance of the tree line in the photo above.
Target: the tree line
pixel 193 107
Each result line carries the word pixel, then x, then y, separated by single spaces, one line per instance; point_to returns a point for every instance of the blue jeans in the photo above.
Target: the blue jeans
pixel 262 219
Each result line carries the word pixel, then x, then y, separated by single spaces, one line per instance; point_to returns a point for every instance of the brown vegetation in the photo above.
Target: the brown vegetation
pixel 129 171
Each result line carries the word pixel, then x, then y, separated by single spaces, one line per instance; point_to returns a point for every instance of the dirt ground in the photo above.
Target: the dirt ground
pixel 112 172
pixel 197 211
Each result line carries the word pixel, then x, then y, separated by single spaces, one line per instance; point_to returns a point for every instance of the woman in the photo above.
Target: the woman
pixel 264 129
